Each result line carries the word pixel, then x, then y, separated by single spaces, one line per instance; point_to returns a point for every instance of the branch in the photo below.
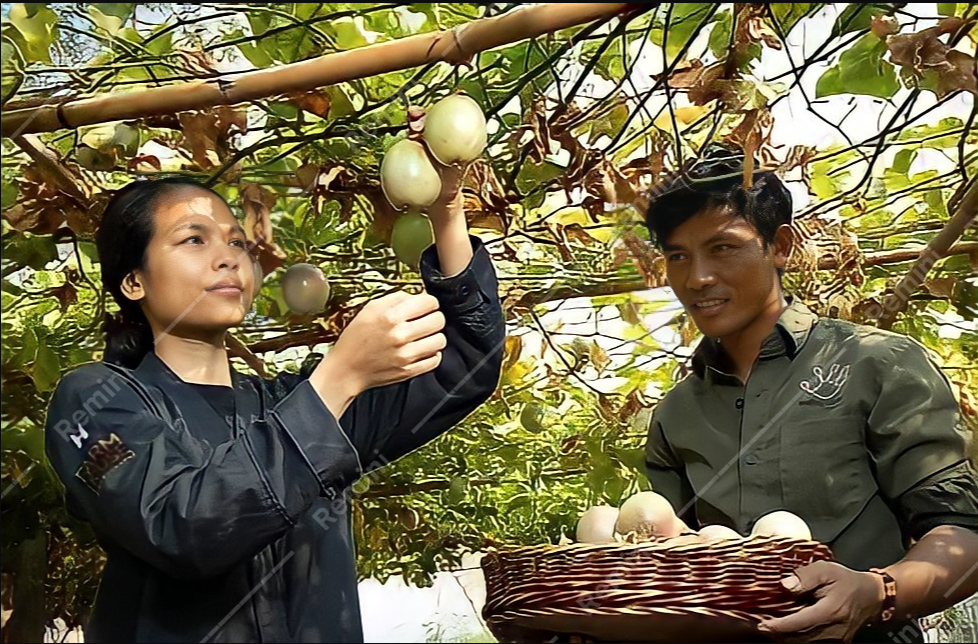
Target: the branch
pixel 938 248
pixel 452 46
pixel 49 165
pixel 237 349
pixel 331 324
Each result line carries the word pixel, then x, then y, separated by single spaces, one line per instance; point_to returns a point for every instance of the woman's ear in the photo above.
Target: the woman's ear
pixel 132 287
pixel 784 243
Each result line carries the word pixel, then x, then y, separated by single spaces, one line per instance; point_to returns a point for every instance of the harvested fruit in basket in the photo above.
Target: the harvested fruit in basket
pixel 781 524
pixel 648 514
pixel 718 533
pixel 597 525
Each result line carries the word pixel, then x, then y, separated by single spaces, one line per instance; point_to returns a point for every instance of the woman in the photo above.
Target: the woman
pixel 220 498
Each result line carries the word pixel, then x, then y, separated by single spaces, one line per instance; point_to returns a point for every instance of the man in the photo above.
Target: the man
pixel 852 428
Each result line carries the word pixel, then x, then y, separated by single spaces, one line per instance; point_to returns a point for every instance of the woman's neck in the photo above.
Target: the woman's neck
pixel 195 361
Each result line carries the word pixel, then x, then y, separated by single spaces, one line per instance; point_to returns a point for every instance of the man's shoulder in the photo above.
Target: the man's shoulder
pixel 870 342
pixel 680 396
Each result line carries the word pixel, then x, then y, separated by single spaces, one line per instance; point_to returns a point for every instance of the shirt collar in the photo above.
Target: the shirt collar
pixel 786 339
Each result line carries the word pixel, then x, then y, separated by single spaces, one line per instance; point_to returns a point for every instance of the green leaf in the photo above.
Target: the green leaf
pixel 348 35
pixel 860 70
pixel 340 103
pixel 720 34
pixel 120 10
pixel 856 17
pixel 30 250
pixel 609 123
pixel 33 34
pixel 902 161
pixel 11 70
pixel 787 14
pixel 28 352
pixel 47 369
pixel 255 54
pixel 110 24
pixel 685 21
pixel 33 7
pixel 947 8
pixel 159 45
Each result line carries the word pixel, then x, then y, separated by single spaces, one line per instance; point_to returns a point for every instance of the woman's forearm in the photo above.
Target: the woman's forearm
pixel 939 571
pixel 451 236
pixel 336 383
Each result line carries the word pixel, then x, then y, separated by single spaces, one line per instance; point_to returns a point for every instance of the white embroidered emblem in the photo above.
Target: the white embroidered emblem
pixel 825 386
pixel 79 437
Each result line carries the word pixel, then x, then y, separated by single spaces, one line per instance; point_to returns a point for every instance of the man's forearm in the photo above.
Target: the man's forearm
pixel 939 571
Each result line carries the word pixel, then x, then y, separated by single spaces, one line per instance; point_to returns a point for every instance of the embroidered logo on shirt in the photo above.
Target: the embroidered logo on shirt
pixel 103 457
pixel 824 386
pixel 79 437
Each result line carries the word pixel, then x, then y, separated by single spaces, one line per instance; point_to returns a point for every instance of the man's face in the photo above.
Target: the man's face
pixel 718 267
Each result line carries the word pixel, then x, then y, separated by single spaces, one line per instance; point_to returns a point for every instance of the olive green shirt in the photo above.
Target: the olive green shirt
pixel 835 422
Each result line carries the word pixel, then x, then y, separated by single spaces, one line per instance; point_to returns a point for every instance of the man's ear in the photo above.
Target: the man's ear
pixel 132 287
pixel 784 243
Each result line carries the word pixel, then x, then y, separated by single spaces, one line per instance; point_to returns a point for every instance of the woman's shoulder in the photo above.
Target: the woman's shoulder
pixel 99 382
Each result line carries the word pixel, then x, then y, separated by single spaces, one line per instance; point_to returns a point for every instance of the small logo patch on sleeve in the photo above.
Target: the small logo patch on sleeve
pixel 103 457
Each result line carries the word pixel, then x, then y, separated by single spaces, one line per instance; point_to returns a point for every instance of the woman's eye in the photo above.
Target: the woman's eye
pixel 195 237
pixel 240 242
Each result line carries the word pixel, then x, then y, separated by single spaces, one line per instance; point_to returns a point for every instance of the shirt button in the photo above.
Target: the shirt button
pixel 229 419
pixel 465 290
pixel 750 459
pixel 740 403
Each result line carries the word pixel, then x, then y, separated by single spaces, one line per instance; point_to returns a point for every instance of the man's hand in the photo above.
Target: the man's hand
pixel 846 600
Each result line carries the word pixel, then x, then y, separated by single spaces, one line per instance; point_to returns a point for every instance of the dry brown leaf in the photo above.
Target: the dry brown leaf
pixel 751 27
pixel 753 131
pixel 80 220
pixel 646 259
pixel 959 74
pixel 149 160
pixel 206 132
pixel 66 294
pixel 688 331
pixel 536 120
pixel 599 357
pixel 316 102
pixel 257 203
pixel 307 177
pixel 941 286
pixel 384 214
pixel 922 53
pixel 511 352
pixel 883 26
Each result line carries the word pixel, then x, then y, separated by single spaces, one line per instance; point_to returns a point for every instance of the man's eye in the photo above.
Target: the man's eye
pixel 675 257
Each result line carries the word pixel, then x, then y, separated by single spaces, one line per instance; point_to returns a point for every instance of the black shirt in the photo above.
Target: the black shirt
pixel 241 532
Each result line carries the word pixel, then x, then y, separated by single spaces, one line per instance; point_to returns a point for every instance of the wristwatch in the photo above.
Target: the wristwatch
pixel 888 610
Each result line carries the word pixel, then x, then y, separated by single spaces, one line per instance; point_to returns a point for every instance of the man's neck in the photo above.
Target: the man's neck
pixel 743 347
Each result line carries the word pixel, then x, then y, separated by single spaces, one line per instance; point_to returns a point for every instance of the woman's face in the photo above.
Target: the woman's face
pixel 199 279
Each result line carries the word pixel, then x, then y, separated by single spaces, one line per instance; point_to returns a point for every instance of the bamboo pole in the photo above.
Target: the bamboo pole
pixel 452 46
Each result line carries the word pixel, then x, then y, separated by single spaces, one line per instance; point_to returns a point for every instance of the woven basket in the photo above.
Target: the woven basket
pixel 678 589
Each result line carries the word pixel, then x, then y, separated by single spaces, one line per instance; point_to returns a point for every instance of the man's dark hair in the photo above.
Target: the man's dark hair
pixel 716 180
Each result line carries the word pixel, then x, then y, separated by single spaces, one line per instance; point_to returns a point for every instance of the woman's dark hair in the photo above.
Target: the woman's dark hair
pixel 716 180
pixel 122 239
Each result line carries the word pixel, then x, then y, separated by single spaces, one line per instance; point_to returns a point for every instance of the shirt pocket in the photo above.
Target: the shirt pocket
pixel 825 471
